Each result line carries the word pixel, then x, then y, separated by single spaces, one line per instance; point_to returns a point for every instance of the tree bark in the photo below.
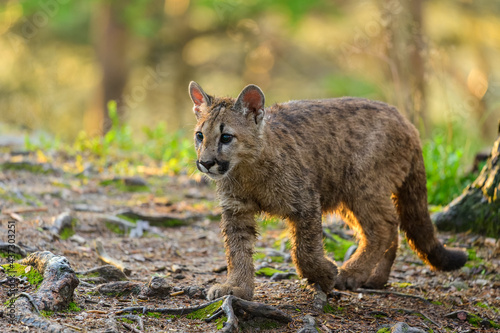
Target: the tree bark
pixel 478 207
pixel 111 43
pixel 406 49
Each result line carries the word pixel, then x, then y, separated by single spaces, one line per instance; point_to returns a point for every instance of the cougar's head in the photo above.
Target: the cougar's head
pixel 228 131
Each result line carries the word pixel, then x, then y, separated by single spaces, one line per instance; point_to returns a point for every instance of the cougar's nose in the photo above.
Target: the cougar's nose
pixel 207 164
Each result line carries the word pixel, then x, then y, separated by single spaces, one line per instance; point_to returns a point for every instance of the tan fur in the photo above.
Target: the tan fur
pixel 300 159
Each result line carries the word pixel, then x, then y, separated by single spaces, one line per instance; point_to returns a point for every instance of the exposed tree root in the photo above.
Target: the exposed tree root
pixel 103 255
pixel 232 306
pixel 388 292
pixel 54 293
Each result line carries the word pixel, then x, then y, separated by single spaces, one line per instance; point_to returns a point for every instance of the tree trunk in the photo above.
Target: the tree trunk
pixel 111 42
pixel 406 49
pixel 478 207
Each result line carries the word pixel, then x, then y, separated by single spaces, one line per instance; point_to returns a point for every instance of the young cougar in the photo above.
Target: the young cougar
pixel 300 159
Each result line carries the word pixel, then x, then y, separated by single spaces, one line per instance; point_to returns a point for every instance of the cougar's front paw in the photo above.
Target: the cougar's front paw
pixel 324 275
pixel 348 279
pixel 220 290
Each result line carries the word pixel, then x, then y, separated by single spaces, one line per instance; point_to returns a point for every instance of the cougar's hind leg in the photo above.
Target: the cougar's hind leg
pixel 376 222
pixel 380 275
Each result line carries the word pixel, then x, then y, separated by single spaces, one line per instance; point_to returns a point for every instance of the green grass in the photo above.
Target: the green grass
pixel 338 247
pixel 446 169
pixel 126 149
pixel 268 271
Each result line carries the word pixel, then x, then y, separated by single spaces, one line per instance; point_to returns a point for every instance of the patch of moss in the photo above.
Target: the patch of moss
pixel 114 228
pixel 5 196
pixel 27 166
pixel 165 222
pixel 73 307
pixel 153 314
pixel 67 232
pixel 268 271
pixel 33 276
pixel 338 247
pixel 436 303
pixel 205 312
pixel 330 309
pixel 401 284
pixel 90 275
pixel 277 259
pixel 15 256
pixel 482 305
pixel 220 322
pixel 120 185
pixel 46 313
pixel 125 320
pixel 384 330
pixel 257 256
pixel 474 320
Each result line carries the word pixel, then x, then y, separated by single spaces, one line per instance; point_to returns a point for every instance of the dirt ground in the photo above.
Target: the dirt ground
pixel 189 253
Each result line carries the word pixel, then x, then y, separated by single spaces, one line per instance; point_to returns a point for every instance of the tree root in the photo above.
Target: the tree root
pixel 388 292
pixel 231 306
pixel 54 293
pixel 103 255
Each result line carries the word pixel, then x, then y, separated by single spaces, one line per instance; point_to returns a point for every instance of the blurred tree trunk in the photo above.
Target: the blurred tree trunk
pixel 406 50
pixel 478 207
pixel 111 42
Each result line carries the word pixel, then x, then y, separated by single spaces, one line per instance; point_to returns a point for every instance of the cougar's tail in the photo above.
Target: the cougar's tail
pixel 411 204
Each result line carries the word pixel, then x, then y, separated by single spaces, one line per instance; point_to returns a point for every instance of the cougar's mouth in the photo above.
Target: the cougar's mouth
pixel 215 171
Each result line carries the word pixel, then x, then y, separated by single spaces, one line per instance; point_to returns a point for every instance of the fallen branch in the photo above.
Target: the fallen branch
pixel 388 292
pixel 12 248
pixel 22 210
pixel 103 255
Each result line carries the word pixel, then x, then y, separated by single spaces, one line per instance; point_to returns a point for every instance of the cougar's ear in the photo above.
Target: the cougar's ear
pixel 251 101
pixel 199 97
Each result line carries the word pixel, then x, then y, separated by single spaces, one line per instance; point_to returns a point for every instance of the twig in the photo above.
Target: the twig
pixel 103 255
pixel 73 327
pixel 32 301
pixel 24 210
pixel 131 328
pixel 409 311
pixel 135 318
pixel 177 293
pixel 388 292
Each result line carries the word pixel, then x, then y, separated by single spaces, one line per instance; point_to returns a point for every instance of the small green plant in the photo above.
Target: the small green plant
pixel 445 170
pixel 337 246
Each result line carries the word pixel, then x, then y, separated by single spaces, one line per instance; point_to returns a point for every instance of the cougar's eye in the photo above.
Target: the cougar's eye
pixel 226 138
pixel 199 136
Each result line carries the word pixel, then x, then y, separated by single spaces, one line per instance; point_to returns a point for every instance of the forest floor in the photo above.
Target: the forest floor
pixel 183 244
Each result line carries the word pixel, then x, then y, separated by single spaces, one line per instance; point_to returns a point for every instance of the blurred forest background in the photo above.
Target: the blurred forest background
pixel 62 61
